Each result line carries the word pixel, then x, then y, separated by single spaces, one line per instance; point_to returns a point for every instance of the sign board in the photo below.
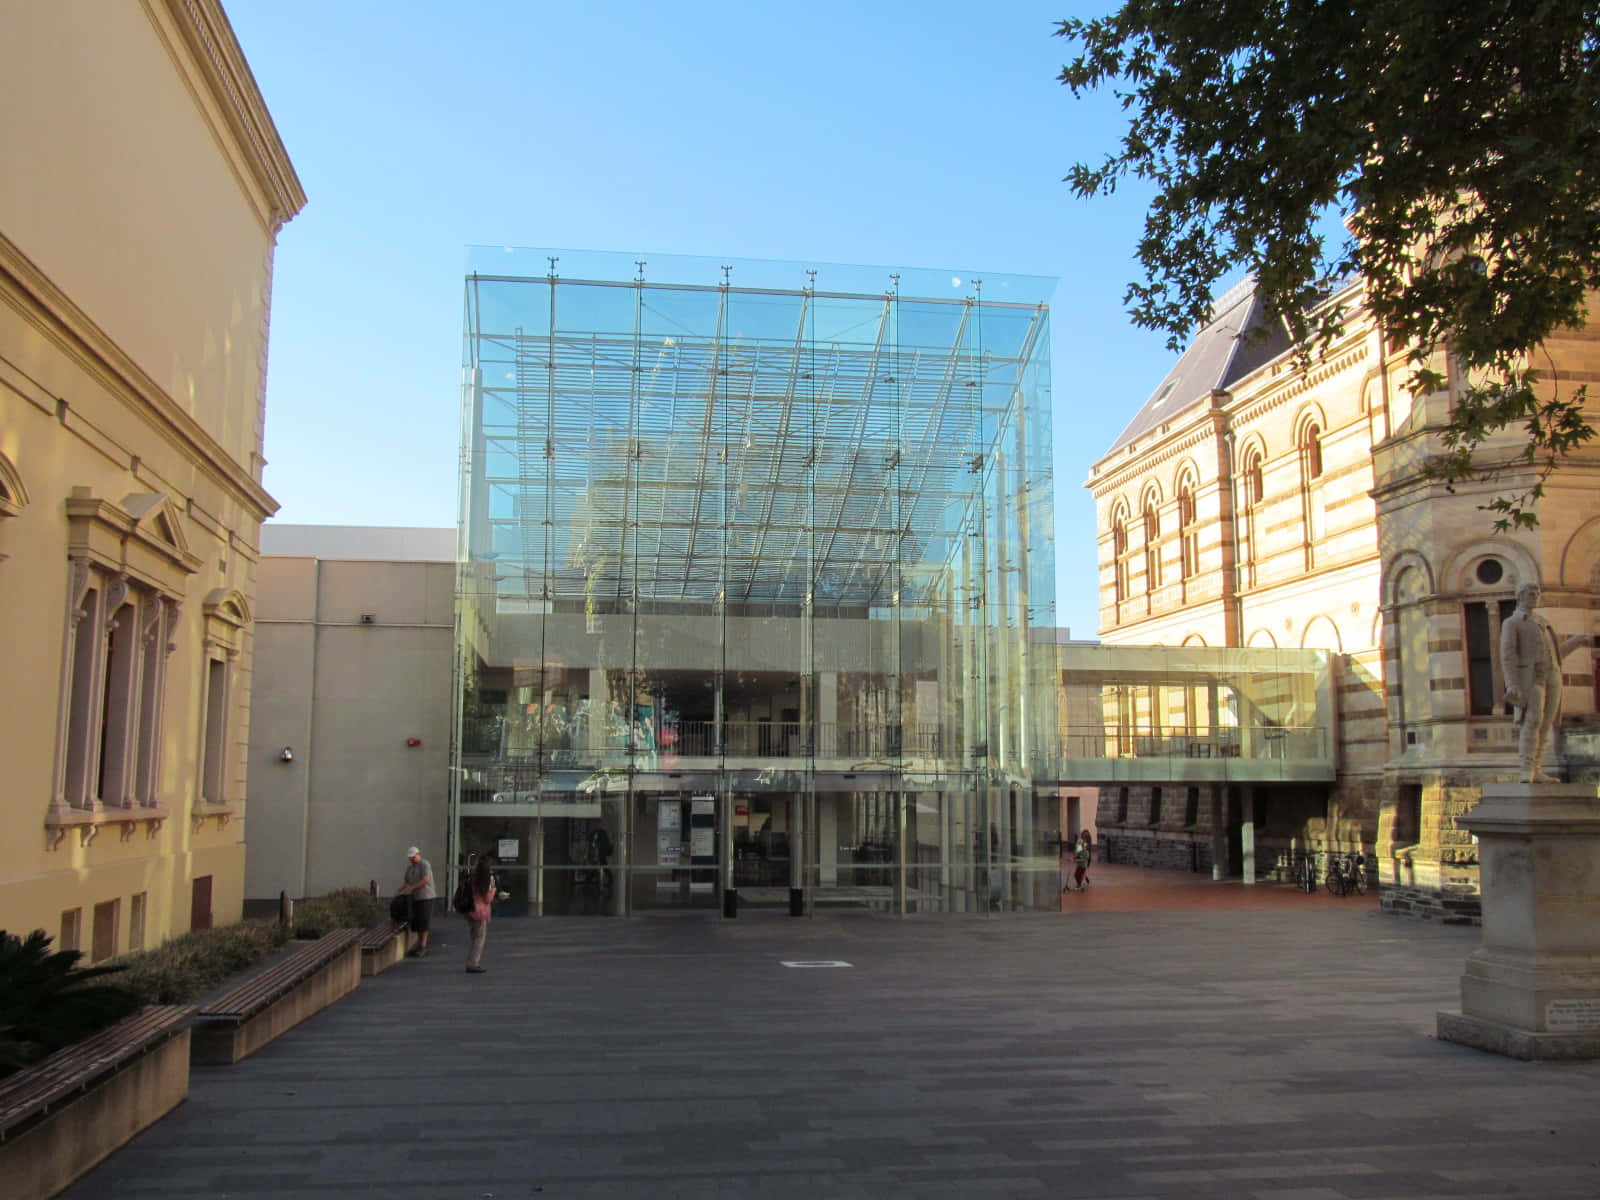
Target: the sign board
pixel 669 832
pixel 703 831
pixel 510 850
pixel 1580 1014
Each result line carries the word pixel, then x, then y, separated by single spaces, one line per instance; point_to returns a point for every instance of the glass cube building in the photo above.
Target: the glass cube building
pixel 750 557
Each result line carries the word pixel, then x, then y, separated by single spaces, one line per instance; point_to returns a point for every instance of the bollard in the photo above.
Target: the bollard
pixel 797 902
pixel 285 910
pixel 730 902
pixel 372 888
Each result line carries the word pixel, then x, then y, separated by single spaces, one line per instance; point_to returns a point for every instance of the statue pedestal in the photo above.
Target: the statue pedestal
pixel 1532 990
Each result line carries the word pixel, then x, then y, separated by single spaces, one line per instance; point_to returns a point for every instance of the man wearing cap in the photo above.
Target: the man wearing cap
pixel 419 886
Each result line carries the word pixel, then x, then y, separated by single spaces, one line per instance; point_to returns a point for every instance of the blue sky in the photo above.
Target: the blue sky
pixel 917 135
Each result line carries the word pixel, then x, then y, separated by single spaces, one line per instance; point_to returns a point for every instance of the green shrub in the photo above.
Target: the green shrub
pixel 190 965
pixel 47 1001
pixel 347 908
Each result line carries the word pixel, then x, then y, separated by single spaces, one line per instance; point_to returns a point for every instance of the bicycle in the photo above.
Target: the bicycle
pixel 1305 873
pixel 1347 873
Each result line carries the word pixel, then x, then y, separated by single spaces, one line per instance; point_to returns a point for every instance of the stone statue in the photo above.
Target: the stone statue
pixel 1530 658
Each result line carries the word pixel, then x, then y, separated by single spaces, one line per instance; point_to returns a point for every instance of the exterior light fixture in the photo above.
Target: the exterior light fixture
pixel 413 741
pixel 287 754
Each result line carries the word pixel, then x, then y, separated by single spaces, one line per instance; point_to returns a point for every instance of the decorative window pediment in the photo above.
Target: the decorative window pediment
pixel 13 495
pixel 157 520
pixel 142 538
pixel 227 617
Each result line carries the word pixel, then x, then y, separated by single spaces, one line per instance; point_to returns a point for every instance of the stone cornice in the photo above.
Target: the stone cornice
pixel 1205 428
pixel 62 322
pixel 1273 393
pixel 1256 394
pixel 1276 392
pixel 228 81
pixel 1270 384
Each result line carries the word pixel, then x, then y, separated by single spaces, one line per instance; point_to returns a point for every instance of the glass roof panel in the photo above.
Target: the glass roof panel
pixel 698 440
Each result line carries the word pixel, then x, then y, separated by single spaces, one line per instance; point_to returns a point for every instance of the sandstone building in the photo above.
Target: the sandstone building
pixel 1250 503
pixel 144 189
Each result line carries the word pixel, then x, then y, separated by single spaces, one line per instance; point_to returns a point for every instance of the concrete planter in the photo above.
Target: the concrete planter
pixel 239 1023
pixel 383 947
pixel 61 1116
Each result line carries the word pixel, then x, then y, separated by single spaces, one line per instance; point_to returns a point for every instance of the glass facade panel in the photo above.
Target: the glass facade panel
pixel 750 558
pixel 1189 714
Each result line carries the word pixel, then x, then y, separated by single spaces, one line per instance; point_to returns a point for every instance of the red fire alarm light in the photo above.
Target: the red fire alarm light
pixel 413 741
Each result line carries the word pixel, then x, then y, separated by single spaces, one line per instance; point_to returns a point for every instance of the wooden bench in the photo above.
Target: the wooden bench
pixel 383 946
pixel 239 1022
pixel 65 1113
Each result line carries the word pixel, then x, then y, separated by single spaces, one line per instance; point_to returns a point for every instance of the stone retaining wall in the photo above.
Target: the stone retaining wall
pixel 1167 852
pixel 1460 909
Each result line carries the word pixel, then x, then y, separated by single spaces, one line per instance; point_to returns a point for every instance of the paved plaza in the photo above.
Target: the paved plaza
pixel 1168 1038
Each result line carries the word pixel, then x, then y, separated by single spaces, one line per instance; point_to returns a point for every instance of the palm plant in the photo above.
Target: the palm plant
pixel 47 1001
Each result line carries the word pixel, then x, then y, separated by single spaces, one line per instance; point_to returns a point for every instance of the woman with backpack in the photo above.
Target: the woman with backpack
pixel 475 904
pixel 1082 856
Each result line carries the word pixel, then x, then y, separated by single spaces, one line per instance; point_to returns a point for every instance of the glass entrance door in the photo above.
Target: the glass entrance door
pixel 763 828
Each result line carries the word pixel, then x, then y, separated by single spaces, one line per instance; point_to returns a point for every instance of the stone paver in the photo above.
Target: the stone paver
pixel 1277 1051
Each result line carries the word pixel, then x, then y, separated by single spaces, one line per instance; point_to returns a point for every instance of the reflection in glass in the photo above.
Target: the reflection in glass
pixel 751 557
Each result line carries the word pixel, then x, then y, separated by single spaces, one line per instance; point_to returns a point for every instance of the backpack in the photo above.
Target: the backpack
pixel 463 900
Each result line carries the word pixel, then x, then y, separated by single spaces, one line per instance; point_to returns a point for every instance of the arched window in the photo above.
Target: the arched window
pixel 1246 522
pixel 1188 530
pixel 1414 665
pixel 1311 445
pixel 1119 557
pixel 1152 547
pixel 1311 499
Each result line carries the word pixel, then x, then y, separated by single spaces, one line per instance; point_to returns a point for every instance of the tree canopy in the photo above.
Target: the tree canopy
pixel 1460 143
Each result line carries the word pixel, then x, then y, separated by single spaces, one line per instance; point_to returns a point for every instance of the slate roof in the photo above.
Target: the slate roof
pixel 1219 356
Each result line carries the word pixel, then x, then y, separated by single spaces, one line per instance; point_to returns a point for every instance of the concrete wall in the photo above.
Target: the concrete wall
pixel 346 696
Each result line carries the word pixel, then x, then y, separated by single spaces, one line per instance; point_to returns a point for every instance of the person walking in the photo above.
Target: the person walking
pixel 483 887
pixel 418 886
pixel 1082 857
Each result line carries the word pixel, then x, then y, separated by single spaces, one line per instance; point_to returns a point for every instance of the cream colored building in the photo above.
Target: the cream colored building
pixel 1250 503
pixel 144 189
pixel 350 728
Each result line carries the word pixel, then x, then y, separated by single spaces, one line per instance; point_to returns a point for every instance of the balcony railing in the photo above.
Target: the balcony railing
pixel 794 739
pixel 572 748
pixel 1307 744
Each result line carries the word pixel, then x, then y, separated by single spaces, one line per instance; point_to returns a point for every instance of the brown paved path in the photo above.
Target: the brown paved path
pixel 1115 888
